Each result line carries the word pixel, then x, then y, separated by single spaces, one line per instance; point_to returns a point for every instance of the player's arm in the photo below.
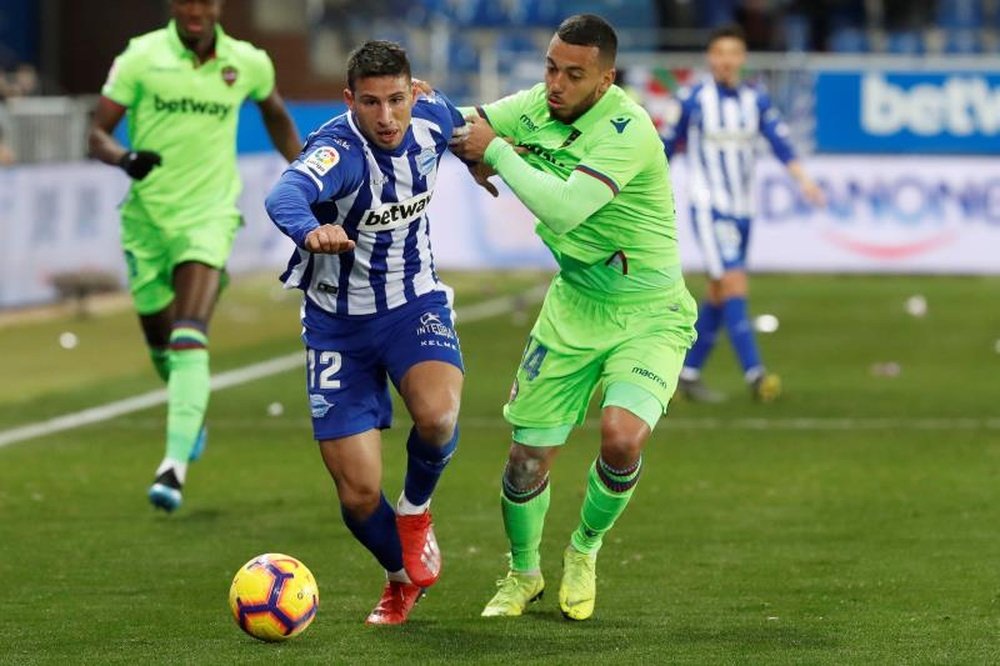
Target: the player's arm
pixel 776 132
pixel 280 126
pixel 311 178
pixel 677 122
pixel 560 204
pixel 118 93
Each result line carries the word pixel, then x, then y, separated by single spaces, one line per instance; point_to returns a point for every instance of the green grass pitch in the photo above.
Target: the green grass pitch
pixel 857 520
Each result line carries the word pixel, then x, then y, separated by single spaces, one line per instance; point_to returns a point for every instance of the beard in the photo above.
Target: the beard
pixel 569 115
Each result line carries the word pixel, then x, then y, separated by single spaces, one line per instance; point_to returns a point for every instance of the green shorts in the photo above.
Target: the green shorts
pixel 152 251
pixel 580 342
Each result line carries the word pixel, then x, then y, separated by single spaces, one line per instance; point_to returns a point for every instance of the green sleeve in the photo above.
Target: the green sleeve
pixel 262 76
pixel 503 115
pixel 559 204
pixel 122 86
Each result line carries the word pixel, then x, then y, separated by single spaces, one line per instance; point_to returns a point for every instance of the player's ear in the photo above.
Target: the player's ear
pixel 608 79
pixel 349 98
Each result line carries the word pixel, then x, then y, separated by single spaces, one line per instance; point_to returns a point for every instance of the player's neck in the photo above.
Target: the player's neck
pixel 203 48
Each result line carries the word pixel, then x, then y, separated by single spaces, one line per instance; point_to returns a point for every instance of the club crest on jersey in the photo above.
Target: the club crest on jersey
pixel 229 75
pixel 322 160
pixel 392 215
pixel 426 161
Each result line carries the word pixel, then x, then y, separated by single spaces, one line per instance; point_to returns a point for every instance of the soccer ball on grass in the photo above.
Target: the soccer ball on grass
pixel 274 597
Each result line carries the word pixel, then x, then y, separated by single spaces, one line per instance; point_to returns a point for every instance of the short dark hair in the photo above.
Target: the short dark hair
pixel 590 30
pixel 730 30
pixel 377 57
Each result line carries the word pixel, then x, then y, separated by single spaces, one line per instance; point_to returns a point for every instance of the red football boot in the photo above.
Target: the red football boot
pixel 397 600
pixel 421 555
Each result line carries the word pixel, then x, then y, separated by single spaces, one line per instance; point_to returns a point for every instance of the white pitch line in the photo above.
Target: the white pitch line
pixel 814 424
pixel 237 377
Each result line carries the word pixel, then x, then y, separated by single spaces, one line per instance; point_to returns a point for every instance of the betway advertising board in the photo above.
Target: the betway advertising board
pixel 886 214
pixel 906 112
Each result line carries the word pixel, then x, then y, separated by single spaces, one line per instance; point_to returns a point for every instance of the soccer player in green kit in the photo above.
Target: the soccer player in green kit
pixel 182 87
pixel 587 161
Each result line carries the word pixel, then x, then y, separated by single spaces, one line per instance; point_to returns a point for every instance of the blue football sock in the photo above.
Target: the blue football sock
pixel 424 465
pixel 734 312
pixel 378 534
pixel 707 327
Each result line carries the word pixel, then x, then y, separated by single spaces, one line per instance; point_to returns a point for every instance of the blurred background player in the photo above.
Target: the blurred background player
pixel 182 87
pixel 721 120
pixel 354 203
pixel 617 314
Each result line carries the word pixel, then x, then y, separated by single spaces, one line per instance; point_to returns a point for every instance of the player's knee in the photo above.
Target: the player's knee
pixel 360 501
pixel 436 425
pixel 621 445
pixel 525 469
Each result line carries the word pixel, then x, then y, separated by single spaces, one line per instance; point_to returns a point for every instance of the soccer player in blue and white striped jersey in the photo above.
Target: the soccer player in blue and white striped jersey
pixel 355 204
pixel 721 119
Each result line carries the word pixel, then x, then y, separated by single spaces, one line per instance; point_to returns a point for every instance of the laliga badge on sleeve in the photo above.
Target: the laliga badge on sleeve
pixel 322 160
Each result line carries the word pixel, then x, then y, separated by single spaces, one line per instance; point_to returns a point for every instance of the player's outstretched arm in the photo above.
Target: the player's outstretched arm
pixel 280 126
pixel 559 204
pixel 812 192
pixel 104 147
pixel 289 206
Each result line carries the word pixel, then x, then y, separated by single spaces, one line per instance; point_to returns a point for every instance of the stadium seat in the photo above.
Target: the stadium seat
pixel 797 33
pixel 537 13
pixel 463 56
pixel 959 13
pixel 481 14
pixel 905 42
pixel 963 42
pixel 849 40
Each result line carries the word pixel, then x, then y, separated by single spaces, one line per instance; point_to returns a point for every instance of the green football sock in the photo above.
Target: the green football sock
pixel 524 520
pixel 187 390
pixel 161 361
pixel 608 493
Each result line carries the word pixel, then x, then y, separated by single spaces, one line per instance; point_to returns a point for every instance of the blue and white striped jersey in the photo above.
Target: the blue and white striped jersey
pixel 722 126
pixel 379 197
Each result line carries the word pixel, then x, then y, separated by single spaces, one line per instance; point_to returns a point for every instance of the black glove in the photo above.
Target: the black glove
pixel 138 163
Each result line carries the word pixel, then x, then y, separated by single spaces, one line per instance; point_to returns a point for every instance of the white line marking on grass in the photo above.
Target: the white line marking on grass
pixel 691 423
pixel 237 377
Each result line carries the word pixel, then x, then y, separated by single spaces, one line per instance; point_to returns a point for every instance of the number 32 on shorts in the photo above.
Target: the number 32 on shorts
pixel 323 365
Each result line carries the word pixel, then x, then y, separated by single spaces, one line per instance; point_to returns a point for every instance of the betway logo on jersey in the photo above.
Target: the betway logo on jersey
pixel 189 105
pixel 393 215
pixel 958 105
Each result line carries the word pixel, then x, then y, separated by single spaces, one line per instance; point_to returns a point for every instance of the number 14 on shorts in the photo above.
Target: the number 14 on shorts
pixel 531 361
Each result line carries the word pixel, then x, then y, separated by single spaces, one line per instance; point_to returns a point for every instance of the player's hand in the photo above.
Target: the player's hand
pixel 813 193
pixel 328 239
pixel 473 146
pixel 138 163
pixel 421 87
pixel 482 172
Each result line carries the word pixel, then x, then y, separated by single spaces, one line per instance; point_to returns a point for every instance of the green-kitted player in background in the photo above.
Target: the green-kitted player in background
pixel 587 161
pixel 182 87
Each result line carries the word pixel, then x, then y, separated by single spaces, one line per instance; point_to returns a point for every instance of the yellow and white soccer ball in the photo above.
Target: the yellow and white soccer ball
pixel 274 597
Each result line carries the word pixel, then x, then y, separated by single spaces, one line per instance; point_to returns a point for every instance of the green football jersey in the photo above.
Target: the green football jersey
pixel 615 141
pixel 187 112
